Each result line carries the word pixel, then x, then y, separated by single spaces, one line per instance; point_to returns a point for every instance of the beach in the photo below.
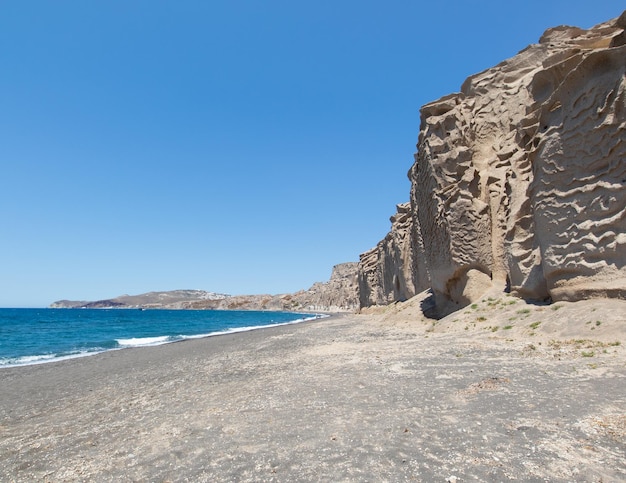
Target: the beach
pixel 384 396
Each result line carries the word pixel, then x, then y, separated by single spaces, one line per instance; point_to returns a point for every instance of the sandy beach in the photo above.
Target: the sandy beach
pixel 499 391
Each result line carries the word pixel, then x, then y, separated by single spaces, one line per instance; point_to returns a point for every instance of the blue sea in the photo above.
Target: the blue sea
pixel 35 336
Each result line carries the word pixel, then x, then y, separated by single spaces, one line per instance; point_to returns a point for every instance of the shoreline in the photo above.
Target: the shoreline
pixel 153 341
pixel 388 396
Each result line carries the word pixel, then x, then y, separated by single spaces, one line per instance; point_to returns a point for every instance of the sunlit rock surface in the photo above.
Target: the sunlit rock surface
pixel 519 181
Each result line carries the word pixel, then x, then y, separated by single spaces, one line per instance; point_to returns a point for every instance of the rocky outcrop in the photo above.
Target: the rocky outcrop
pixel 518 181
pixel 339 294
pixel 393 269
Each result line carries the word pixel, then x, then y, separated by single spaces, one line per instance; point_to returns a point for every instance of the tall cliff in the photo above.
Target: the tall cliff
pixel 518 181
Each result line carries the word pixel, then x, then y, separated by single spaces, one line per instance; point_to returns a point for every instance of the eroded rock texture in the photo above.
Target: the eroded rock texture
pixel 340 293
pixel 389 271
pixel 519 179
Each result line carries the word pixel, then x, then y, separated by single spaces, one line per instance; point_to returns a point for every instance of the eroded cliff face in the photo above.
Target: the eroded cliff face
pixel 519 179
pixel 393 270
pixel 339 294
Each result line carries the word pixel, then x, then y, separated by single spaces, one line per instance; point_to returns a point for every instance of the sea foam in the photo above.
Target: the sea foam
pixel 144 341
pixel 36 336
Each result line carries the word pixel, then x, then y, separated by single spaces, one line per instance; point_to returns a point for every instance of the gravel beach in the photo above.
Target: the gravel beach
pixel 387 396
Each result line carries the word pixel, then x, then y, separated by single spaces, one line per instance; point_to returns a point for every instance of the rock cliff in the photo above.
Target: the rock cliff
pixel 518 181
pixel 339 294
pixel 393 270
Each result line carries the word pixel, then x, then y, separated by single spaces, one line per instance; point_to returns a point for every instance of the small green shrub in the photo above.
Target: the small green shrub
pixel 534 325
pixel 507 327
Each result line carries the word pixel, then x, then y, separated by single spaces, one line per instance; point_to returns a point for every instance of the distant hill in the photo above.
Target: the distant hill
pixel 339 294
pixel 173 299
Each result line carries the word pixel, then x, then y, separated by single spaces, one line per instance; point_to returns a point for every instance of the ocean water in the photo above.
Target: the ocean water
pixel 34 336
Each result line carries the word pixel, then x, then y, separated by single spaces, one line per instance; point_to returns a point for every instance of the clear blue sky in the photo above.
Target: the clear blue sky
pixel 230 146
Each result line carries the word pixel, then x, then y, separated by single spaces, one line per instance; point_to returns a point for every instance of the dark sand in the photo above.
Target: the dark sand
pixel 386 397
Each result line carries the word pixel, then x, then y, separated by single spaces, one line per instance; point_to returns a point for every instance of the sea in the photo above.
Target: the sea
pixel 35 336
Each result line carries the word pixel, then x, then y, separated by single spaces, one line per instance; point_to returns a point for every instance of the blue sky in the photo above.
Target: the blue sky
pixel 230 146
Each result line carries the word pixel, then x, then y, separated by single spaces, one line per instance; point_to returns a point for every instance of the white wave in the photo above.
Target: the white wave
pixel 141 342
pixel 144 341
pixel 252 327
pixel 42 359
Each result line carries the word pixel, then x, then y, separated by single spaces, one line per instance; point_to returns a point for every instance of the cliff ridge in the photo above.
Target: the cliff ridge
pixel 518 181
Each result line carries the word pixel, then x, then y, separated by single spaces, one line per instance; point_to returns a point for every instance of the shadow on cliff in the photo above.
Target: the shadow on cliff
pixel 436 308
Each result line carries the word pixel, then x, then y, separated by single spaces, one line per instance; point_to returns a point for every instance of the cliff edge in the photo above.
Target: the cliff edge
pixel 518 182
